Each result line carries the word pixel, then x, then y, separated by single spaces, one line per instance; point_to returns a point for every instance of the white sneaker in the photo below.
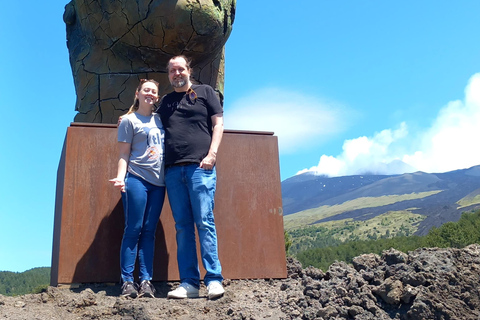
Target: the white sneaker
pixel 215 290
pixel 183 291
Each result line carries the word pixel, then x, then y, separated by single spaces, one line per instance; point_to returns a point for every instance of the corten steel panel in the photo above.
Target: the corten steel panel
pixel 89 213
pixel 248 208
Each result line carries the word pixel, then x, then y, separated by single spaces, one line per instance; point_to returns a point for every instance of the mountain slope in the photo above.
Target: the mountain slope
pixel 308 191
pixel 440 197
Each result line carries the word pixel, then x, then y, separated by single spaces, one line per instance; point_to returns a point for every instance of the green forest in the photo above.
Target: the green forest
pixel 450 235
pixel 30 281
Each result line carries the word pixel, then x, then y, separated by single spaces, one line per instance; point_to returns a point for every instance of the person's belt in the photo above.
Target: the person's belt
pixel 180 164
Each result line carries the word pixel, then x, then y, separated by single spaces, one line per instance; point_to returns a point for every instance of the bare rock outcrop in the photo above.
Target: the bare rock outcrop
pixel 428 283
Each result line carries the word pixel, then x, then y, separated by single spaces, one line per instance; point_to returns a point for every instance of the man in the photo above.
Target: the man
pixel 192 117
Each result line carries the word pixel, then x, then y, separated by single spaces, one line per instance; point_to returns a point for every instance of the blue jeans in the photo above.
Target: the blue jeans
pixel 191 192
pixel 142 204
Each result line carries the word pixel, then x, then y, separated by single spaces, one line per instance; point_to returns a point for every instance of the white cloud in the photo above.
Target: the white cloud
pixel 363 154
pixel 450 143
pixel 298 120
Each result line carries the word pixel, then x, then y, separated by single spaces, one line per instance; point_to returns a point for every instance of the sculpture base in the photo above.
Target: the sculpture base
pixel 89 214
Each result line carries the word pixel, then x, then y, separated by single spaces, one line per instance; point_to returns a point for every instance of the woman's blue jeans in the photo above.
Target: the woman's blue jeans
pixel 191 192
pixel 142 203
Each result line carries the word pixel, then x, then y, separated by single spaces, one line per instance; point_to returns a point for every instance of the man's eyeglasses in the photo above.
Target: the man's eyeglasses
pixel 192 95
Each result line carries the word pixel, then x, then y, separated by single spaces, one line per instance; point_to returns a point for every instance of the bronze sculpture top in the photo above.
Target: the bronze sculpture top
pixel 113 44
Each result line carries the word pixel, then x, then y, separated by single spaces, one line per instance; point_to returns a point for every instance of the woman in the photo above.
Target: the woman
pixel 140 179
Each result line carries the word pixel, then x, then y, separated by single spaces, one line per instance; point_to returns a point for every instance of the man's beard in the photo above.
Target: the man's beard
pixel 179 83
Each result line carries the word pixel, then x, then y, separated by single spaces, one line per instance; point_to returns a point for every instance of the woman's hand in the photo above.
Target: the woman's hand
pixel 119 120
pixel 118 183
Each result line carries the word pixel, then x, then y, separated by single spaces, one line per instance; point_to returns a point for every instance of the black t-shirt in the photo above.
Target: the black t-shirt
pixel 188 124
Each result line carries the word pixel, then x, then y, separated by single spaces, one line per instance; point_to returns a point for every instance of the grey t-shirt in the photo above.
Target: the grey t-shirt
pixel 147 154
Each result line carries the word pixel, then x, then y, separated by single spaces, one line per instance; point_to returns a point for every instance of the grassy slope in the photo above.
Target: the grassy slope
pixel 389 224
pixel 471 199
pixel 304 218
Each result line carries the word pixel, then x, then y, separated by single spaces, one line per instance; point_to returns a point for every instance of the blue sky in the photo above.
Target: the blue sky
pixel 347 86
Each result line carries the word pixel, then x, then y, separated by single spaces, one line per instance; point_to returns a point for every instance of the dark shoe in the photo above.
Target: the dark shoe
pixel 147 289
pixel 129 289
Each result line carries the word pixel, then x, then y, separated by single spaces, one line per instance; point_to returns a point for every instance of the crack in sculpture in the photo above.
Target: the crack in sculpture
pixel 123 35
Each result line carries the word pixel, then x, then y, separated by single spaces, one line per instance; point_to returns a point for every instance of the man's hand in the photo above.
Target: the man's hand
pixel 209 161
pixel 119 120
